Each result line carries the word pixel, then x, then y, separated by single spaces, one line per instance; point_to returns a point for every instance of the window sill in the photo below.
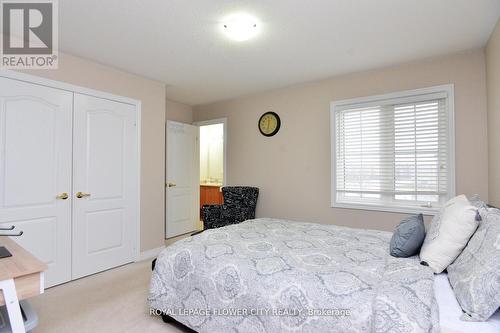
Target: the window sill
pixel 387 208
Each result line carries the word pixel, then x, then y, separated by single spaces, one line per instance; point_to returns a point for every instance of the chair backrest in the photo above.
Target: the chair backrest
pixel 243 196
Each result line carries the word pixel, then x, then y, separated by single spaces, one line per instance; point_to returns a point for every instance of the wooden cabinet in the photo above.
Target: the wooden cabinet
pixel 210 195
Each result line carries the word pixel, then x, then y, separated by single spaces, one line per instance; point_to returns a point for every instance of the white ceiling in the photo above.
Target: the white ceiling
pixel 179 41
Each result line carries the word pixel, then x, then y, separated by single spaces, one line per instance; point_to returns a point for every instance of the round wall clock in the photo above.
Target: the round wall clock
pixel 269 123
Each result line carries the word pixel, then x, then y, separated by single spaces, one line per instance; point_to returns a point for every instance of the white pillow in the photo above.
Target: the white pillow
pixel 448 233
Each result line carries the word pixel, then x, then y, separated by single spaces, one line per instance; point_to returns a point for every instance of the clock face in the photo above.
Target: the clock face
pixel 269 123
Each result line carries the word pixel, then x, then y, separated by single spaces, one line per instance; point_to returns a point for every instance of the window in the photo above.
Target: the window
pixel 394 152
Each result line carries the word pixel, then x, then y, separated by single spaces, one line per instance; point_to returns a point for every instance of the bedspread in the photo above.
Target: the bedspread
pixel 270 275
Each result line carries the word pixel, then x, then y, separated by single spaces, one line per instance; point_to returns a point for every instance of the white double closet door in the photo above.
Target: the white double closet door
pixel 53 144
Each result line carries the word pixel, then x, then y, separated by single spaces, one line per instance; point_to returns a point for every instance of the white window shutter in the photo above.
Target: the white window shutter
pixel 393 152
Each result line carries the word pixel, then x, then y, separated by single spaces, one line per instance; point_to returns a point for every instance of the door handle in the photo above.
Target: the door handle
pixel 63 196
pixel 171 184
pixel 80 195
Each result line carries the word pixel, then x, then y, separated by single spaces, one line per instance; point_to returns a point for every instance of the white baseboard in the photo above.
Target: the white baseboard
pixel 150 254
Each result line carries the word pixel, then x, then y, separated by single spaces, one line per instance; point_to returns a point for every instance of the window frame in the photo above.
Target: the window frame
pixel 407 95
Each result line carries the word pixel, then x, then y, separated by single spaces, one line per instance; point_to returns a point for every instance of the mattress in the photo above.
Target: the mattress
pixel 269 275
pixel 450 311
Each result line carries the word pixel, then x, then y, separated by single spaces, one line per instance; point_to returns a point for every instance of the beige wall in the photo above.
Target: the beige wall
pixel 89 74
pixel 292 168
pixel 493 86
pixel 179 112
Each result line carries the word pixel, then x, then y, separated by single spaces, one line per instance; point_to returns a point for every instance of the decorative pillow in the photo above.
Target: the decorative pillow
pixel 408 237
pixel 475 274
pixel 475 200
pixel 448 233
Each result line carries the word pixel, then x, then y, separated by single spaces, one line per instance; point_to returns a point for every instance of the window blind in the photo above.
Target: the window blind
pixel 393 152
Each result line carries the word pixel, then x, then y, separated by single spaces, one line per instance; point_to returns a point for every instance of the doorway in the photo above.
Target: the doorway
pixel 213 171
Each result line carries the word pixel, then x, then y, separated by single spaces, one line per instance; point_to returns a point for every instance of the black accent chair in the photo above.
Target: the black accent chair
pixel 239 205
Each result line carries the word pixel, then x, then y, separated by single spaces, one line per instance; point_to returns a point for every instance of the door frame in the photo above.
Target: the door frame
pixel 213 122
pixel 33 79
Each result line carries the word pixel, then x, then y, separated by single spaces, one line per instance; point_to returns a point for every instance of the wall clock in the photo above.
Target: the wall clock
pixel 269 123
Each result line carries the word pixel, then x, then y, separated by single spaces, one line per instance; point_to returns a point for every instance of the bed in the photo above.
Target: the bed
pixel 270 275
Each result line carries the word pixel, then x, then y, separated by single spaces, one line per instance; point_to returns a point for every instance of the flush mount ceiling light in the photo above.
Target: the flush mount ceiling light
pixel 240 26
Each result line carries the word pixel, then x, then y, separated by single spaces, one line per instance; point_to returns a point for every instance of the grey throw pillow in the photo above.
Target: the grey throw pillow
pixel 475 274
pixel 408 237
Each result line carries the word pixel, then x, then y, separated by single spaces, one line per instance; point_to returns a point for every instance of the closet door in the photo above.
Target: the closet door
pixel 35 171
pixel 105 183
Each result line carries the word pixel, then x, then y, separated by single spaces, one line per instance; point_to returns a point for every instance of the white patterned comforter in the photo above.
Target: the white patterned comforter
pixel 269 275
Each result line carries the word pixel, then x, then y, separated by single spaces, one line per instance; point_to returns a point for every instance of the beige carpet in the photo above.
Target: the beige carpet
pixel 112 301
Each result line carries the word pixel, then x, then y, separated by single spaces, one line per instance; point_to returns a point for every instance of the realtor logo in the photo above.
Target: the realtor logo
pixel 29 34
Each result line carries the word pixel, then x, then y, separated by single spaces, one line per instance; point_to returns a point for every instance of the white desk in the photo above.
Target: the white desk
pixel 21 276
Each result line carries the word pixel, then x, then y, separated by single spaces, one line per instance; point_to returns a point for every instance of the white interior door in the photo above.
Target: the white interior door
pixel 105 171
pixel 35 168
pixel 183 179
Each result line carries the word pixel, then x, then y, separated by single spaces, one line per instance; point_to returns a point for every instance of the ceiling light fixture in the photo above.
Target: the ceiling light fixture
pixel 240 26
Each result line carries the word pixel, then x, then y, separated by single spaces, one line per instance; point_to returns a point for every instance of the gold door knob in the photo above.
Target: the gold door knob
pixel 171 184
pixel 63 196
pixel 80 195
